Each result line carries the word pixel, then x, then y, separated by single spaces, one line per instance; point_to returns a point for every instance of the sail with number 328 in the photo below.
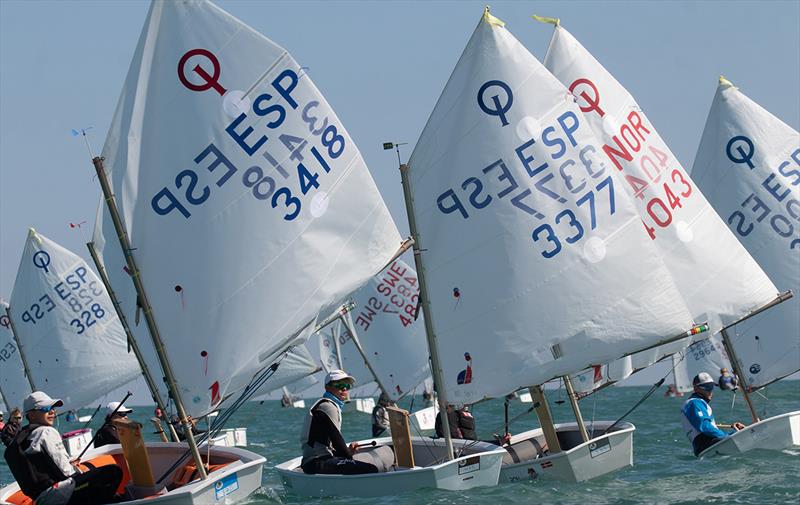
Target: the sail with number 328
pixel 248 206
pixel 536 261
pixel 69 334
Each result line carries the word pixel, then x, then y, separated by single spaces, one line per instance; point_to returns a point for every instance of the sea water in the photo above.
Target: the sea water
pixel 664 471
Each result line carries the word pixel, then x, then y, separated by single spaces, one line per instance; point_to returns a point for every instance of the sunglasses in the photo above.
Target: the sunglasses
pixel 45 410
pixel 343 386
pixel 706 387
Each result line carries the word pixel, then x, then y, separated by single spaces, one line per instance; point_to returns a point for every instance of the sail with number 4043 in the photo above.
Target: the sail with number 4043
pixel 248 206
pixel 14 385
pixel 73 342
pixel 715 274
pixel 748 166
pixel 531 273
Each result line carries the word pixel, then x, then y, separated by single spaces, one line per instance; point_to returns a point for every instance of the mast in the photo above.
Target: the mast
pixel 122 234
pixel 148 377
pixel 436 368
pixel 19 348
pixel 737 369
pixel 347 320
pixel 573 400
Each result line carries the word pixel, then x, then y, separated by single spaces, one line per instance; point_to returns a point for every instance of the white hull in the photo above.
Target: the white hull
pixel 424 419
pixel 579 461
pixel 299 404
pixel 774 433
pixel 231 437
pixel 235 481
pixel 480 466
pixel 364 405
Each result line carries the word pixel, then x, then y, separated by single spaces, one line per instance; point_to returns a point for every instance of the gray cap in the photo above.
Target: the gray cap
pixel 39 399
pixel 702 378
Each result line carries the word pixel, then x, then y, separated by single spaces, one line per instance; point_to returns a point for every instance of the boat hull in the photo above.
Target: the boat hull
pixel 580 461
pixel 238 475
pixel 775 433
pixel 479 466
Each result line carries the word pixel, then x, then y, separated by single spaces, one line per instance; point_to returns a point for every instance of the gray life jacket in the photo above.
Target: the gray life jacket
pixel 332 411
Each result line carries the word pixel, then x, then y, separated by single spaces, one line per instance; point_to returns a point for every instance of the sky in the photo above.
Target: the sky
pixel 381 66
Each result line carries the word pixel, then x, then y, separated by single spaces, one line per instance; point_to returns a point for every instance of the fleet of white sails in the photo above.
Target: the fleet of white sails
pixel 251 213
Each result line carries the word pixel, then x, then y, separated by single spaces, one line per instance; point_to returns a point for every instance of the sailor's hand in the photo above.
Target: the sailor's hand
pixel 353 446
pixel 738 426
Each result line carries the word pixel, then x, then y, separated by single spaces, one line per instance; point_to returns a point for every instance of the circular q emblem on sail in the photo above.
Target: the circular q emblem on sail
pixel 4 322
pixel 495 108
pixel 41 260
pixel 736 150
pixel 755 368
pixel 209 80
pixel 585 89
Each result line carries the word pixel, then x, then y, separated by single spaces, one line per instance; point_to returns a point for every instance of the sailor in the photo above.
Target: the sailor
pixel 727 381
pixel 324 448
pixel 462 425
pixel 40 464
pixel 2 424
pixel 380 417
pixel 11 428
pixel 698 418
pixel 107 434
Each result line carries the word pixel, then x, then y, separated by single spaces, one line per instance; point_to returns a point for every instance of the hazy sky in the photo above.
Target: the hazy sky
pixel 381 66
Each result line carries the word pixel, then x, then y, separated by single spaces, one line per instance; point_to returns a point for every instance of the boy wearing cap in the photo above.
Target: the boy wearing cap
pixel 107 434
pixel 40 464
pixel 324 448
pixel 698 418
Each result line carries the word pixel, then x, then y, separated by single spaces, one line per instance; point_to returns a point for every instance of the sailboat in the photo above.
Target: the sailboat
pixel 215 224
pixel 336 355
pixel 748 163
pixel 717 276
pixel 69 338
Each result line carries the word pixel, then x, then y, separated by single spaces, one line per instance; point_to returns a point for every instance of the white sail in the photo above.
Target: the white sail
pixel 74 344
pixel 328 347
pixel 714 273
pixel 706 355
pixel 748 165
pixel 393 341
pixel 297 387
pixel 531 275
pixel 248 206
pixel 13 384
pixel 297 365
pixel 336 350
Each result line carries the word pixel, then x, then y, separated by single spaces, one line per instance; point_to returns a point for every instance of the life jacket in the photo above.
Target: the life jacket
pixel 702 406
pixel 314 451
pixel 33 472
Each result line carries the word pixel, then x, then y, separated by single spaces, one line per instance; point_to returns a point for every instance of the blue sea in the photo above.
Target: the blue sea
pixel 664 471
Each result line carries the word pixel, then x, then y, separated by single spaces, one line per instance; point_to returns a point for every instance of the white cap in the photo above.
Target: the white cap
pixel 39 399
pixel 337 375
pixel 702 378
pixel 112 406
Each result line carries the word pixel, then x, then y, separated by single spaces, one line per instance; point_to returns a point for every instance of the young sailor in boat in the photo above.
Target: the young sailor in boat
pixel 324 448
pixel 380 417
pixel 107 434
pixel 462 425
pixel 40 464
pixel 727 381
pixel 698 418
pixel 11 428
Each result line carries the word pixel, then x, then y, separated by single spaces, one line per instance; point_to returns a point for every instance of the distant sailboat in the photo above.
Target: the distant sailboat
pixel 748 163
